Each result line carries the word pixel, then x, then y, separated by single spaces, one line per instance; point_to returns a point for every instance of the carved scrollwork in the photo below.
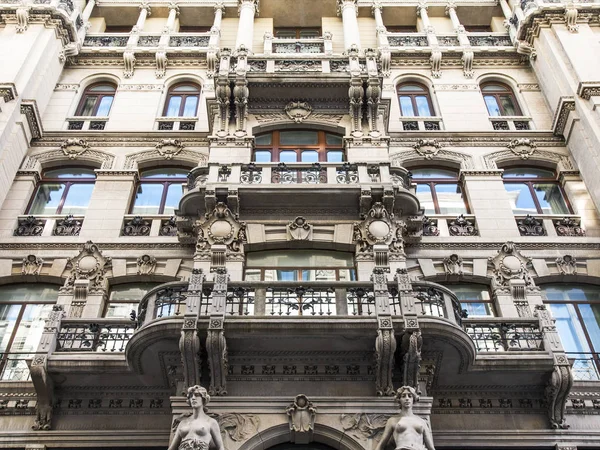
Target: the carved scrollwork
pixel 301 414
pixel 453 265
pixel 238 427
pixel 298 111
pixel 32 265
pixel 146 265
pixel 169 148
pixel 509 264
pixel 524 148
pixel 300 229
pixel 379 227
pixel 221 227
pixel 73 148
pixel 89 265
pixel 567 265
pixel 427 148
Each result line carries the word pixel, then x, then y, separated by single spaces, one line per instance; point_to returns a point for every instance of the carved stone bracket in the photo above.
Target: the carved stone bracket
pixel 385 346
pixel 411 344
pixel 301 414
pixel 355 95
pixel 91 266
pixel 220 227
pixel 300 230
pixel 567 265
pixel 189 342
pixel 379 227
pixel 146 265
pixel 216 348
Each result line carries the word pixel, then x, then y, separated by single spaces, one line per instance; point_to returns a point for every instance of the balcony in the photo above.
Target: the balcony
pixel 147 42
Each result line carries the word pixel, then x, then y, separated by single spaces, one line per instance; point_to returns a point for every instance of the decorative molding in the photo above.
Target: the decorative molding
pixel 72 148
pixel 66 87
pixel 563 110
pixel 524 151
pixel 197 158
pixel 32 265
pixel 455 87
pixel 102 159
pixel 524 148
pixel 30 110
pixel 8 91
pixel 525 87
pixel 141 87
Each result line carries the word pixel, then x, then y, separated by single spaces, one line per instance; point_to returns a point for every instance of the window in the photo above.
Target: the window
pixel 299 146
pixel 182 100
pixel 159 191
pixel 63 191
pixel 534 191
pixel 297 33
pixel 478 28
pixel 125 298
pixel 439 191
pixel 414 100
pixel 299 265
pixel 500 100
pixel 96 100
pixel 23 311
pixel 576 309
pixel 474 298
pixel 401 28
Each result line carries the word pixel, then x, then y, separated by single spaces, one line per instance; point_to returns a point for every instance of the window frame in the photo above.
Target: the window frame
pixel 69 182
pixel 165 181
pixel 298 31
pixel 100 95
pixel 530 181
pixel 184 95
pixel 481 286
pixel 110 301
pixel 432 182
pixel 508 90
pixel 412 95
pixel 321 146
pixel 299 269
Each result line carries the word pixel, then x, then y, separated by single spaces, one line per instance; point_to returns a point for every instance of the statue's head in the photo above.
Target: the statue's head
pixel 197 396
pixel 407 396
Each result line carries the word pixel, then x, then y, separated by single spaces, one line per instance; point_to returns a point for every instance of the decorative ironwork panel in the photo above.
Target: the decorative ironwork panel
pixel 410 125
pixel 430 227
pixel 75 125
pixel 408 41
pixel 300 301
pixel 505 336
pixel 97 125
pixel 394 299
pixel 361 301
pixel 347 174
pixel 462 227
pixel 297 47
pixel 530 226
pixel 251 174
pixel 206 299
pixel 187 126
pixel 314 174
pixel 30 226
pixel 431 125
pixel 240 301
pixel 257 66
pixel 189 41
pixel 568 227
pixel 138 226
pixel 165 126
pixel 68 226
pixel 585 366
pixel 148 41
pixel 490 41
pixel 522 125
pixel 105 41
pixel 170 302
pixel 168 227
pixel 93 337
pixel 500 125
pixel 430 302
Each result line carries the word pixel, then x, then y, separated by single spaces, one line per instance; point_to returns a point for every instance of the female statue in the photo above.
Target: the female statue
pixel 197 431
pixel 410 431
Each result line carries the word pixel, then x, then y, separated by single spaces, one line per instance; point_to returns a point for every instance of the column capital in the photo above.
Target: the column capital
pixel 220 6
pixel 377 6
pixel 174 7
pixel 343 4
pixel 449 7
pixel 421 7
pixel 255 4
pixel 144 6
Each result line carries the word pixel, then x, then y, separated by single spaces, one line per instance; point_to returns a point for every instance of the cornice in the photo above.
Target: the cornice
pixel 587 89
pixel 563 110
pixel 47 14
pixel 476 139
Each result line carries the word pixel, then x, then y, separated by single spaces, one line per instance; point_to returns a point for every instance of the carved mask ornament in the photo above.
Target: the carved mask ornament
pixel 221 227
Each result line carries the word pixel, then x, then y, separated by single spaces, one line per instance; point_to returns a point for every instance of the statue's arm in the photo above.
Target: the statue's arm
pixel 387 434
pixel 215 432
pixel 428 438
pixel 176 440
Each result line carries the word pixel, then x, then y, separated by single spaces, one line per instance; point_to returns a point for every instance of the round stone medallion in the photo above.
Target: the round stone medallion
pixel 87 263
pixel 512 263
pixel 221 229
pixel 379 229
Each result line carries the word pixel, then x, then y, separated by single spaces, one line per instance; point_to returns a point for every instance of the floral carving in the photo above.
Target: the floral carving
pixel 238 427
pixel 427 148
pixel 509 264
pixel 462 227
pixel 523 147
pixel 568 227
pixel 169 148
pixel 298 111
pixel 530 226
pixel 453 265
pixel 369 425
pixel 302 414
pixel 73 148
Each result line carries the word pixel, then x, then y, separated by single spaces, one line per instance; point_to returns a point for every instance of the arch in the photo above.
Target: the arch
pixel 280 434
pixel 20 279
pixel 281 123
pixel 86 82
pixel 174 80
pixel 150 158
pixel 511 84
pixel 419 80
pixel 542 158
pixel 47 159
pixel 441 158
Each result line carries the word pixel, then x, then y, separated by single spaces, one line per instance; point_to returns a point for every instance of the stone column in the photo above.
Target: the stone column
pixel 467 58
pixel 215 38
pixel 168 28
pixel 349 11
pixel 382 39
pixel 427 27
pixel 87 11
pixel 247 10
pixel 144 13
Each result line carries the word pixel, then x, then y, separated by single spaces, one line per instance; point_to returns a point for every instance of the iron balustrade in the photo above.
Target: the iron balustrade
pixel 501 334
pixel 361 301
pixel 239 301
pixel 301 301
pixel 106 40
pixel 170 301
pixel 101 335
pixel 407 40
pixel 313 174
pixel 585 366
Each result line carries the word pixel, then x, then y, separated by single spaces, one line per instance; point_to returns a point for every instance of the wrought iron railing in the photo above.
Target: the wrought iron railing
pixel 106 40
pixel 407 40
pixel 501 334
pixel 101 335
pixel 361 301
pixel 240 301
pixel 170 301
pixel 313 174
pixel 308 46
pixel 431 299
pixel 585 366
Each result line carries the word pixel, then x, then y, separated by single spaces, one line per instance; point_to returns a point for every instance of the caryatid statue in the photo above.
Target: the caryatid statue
pixel 197 431
pixel 410 432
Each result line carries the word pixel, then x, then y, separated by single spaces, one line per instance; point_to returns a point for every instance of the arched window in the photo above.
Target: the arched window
pixel 299 146
pixel 534 191
pixel 475 299
pixel 576 309
pixel 124 298
pixel 23 311
pixel 63 191
pixel 439 191
pixel 96 100
pixel 159 191
pixel 500 100
pixel 415 100
pixel 182 100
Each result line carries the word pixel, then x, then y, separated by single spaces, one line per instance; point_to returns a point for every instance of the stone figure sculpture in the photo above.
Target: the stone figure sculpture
pixel 410 431
pixel 197 431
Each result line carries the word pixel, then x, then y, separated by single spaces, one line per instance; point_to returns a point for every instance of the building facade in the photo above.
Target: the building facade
pixel 301 206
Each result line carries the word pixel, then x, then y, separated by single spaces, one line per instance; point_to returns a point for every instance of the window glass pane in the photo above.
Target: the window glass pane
pixel 252 275
pixel 527 172
pixel 186 88
pixel 520 198
pixel 492 105
pixel 333 139
pixel 104 107
pixel 309 33
pixel 8 318
pixel 147 198
pixel 88 105
pixel 262 156
pixel 310 156
pixel 191 105
pixel 298 137
pixel 37 291
pixel 493 88
pixel 477 309
pixel 423 106
pixel 425 198
pixel 174 105
pixel 591 319
pixel 550 198
pixel 433 173
pixel 566 291
pixel 470 292
pixel 335 156
pixel 347 275
pixel 122 310
pixel 47 198
pixel 287 275
pixel 569 328
pixel 78 199
pixel 103 88
pixel 406 108
pixel 411 87
pixel 130 291
pixel 174 193
pixel 70 173
pixel 299 258
pixel 264 139
pixel 450 199
pixel 287 156
pixel 30 328
pixel 165 173
pixel 508 106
